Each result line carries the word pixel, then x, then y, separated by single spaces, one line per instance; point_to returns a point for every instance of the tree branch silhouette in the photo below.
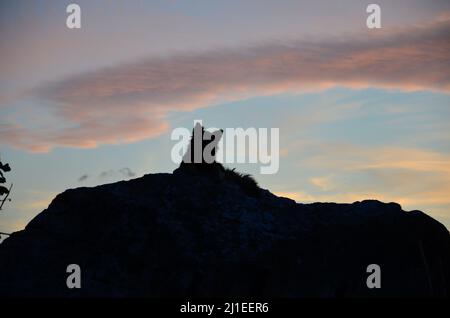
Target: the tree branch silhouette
pixel 4 191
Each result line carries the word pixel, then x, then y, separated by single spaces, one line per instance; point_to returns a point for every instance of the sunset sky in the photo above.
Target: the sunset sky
pixel 363 113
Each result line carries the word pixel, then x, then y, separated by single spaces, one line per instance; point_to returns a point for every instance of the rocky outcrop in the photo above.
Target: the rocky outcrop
pixel 194 235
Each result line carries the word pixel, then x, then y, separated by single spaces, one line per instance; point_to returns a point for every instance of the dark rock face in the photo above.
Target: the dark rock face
pixel 176 235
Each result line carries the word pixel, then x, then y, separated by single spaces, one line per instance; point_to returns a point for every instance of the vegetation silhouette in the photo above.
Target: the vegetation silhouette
pixel 4 191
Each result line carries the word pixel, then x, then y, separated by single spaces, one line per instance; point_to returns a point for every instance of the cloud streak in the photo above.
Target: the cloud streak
pixel 411 176
pixel 82 178
pixel 124 172
pixel 130 102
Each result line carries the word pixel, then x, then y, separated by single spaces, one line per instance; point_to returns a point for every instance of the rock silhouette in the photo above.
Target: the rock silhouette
pixel 190 234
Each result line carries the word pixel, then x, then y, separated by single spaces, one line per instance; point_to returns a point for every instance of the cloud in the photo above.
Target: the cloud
pixel 106 174
pixel 429 200
pixel 82 178
pixel 412 177
pixel 124 172
pixel 127 172
pixel 348 157
pixel 130 102
pixel 35 201
pixel 324 183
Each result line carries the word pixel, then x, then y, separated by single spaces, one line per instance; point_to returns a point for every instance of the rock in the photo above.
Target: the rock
pixel 191 235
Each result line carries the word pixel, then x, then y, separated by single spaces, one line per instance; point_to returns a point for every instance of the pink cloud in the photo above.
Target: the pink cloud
pixel 129 102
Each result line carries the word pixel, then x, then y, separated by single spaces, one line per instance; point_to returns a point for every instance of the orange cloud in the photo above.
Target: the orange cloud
pixel 413 177
pixel 130 102
pixel 347 157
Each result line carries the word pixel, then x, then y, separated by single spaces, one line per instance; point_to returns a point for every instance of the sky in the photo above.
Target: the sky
pixel 362 113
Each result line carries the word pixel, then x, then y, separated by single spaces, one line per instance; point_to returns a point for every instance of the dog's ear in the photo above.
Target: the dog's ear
pixel 197 130
pixel 198 127
pixel 207 135
pixel 218 134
